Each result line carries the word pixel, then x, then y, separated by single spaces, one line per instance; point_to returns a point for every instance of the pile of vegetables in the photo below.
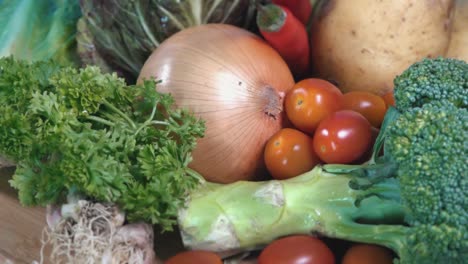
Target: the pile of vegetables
pixel 58 148
pixel 245 123
pixel 410 199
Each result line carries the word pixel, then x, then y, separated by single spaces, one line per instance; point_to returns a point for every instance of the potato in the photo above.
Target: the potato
pixel 364 44
pixel 458 47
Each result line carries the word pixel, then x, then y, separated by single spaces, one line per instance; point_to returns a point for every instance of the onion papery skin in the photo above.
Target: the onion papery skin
pixel 236 83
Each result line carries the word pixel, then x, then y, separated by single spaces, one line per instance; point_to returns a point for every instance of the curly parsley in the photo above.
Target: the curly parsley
pixel 79 129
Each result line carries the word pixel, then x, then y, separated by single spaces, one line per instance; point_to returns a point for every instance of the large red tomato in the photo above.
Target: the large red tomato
pixel 289 153
pixel 343 137
pixel 297 249
pixel 311 100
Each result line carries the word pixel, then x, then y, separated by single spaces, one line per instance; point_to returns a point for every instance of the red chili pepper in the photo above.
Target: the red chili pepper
pixel 287 35
pixel 302 9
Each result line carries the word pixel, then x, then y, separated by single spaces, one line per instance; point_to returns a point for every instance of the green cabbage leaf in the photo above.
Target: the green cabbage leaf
pixel 36 30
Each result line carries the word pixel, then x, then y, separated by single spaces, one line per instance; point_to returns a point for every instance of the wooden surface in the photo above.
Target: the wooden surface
pixel 20 227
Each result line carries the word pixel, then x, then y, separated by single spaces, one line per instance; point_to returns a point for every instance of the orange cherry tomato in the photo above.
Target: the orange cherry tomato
pixel 296 249
pixel 343 137
pixel 195 257
pixel 289 153
pixel 389 99
pixel 367 254
pixel 311 100
pixel 370 105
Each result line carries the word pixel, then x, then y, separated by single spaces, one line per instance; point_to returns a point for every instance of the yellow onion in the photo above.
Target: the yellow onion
pixel 234 81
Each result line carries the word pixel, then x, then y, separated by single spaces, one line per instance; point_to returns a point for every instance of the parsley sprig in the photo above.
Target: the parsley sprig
pixel 79 129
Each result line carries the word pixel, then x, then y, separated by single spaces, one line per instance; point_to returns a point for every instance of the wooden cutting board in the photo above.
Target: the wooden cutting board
pixel 20 227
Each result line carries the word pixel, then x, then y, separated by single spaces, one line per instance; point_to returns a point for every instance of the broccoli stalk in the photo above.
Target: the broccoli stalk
pixel 411 199
pixel 247 214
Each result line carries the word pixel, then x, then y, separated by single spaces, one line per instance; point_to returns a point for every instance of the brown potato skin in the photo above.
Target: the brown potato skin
pixel 458 47
pixel 363 44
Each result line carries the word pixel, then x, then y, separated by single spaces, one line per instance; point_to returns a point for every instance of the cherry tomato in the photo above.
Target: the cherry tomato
pixel 195 257
pixel 289 153
pixel 389 99
pixel 311 100
pixel 368 154
pixel 367 254
pixel 342 137
pixel 297 249
pixel 370 105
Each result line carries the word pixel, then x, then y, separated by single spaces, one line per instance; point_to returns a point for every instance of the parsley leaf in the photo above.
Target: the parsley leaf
pixel 79 129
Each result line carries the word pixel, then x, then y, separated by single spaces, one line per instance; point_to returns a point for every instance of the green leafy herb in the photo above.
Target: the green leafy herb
pixel 80 129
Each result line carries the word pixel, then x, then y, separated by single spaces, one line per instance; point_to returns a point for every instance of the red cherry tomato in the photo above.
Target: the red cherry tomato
pixel 297 249
pixel 289 153
pixel 389 99
pixel 370 105
pixel 342 137
pixel 311 100
pixel 195 257
pixel 367 254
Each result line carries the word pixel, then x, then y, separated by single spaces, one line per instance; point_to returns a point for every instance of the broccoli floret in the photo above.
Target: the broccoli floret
pixel 434 244
pixel 411 199
pixel 432 80
pixel 429 146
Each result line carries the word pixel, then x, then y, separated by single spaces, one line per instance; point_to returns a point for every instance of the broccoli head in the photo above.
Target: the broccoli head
pixel 432 80
pixel 429 145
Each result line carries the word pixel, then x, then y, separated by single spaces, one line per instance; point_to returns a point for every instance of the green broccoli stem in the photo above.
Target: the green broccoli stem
pixel 390 236
pixel 250 214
